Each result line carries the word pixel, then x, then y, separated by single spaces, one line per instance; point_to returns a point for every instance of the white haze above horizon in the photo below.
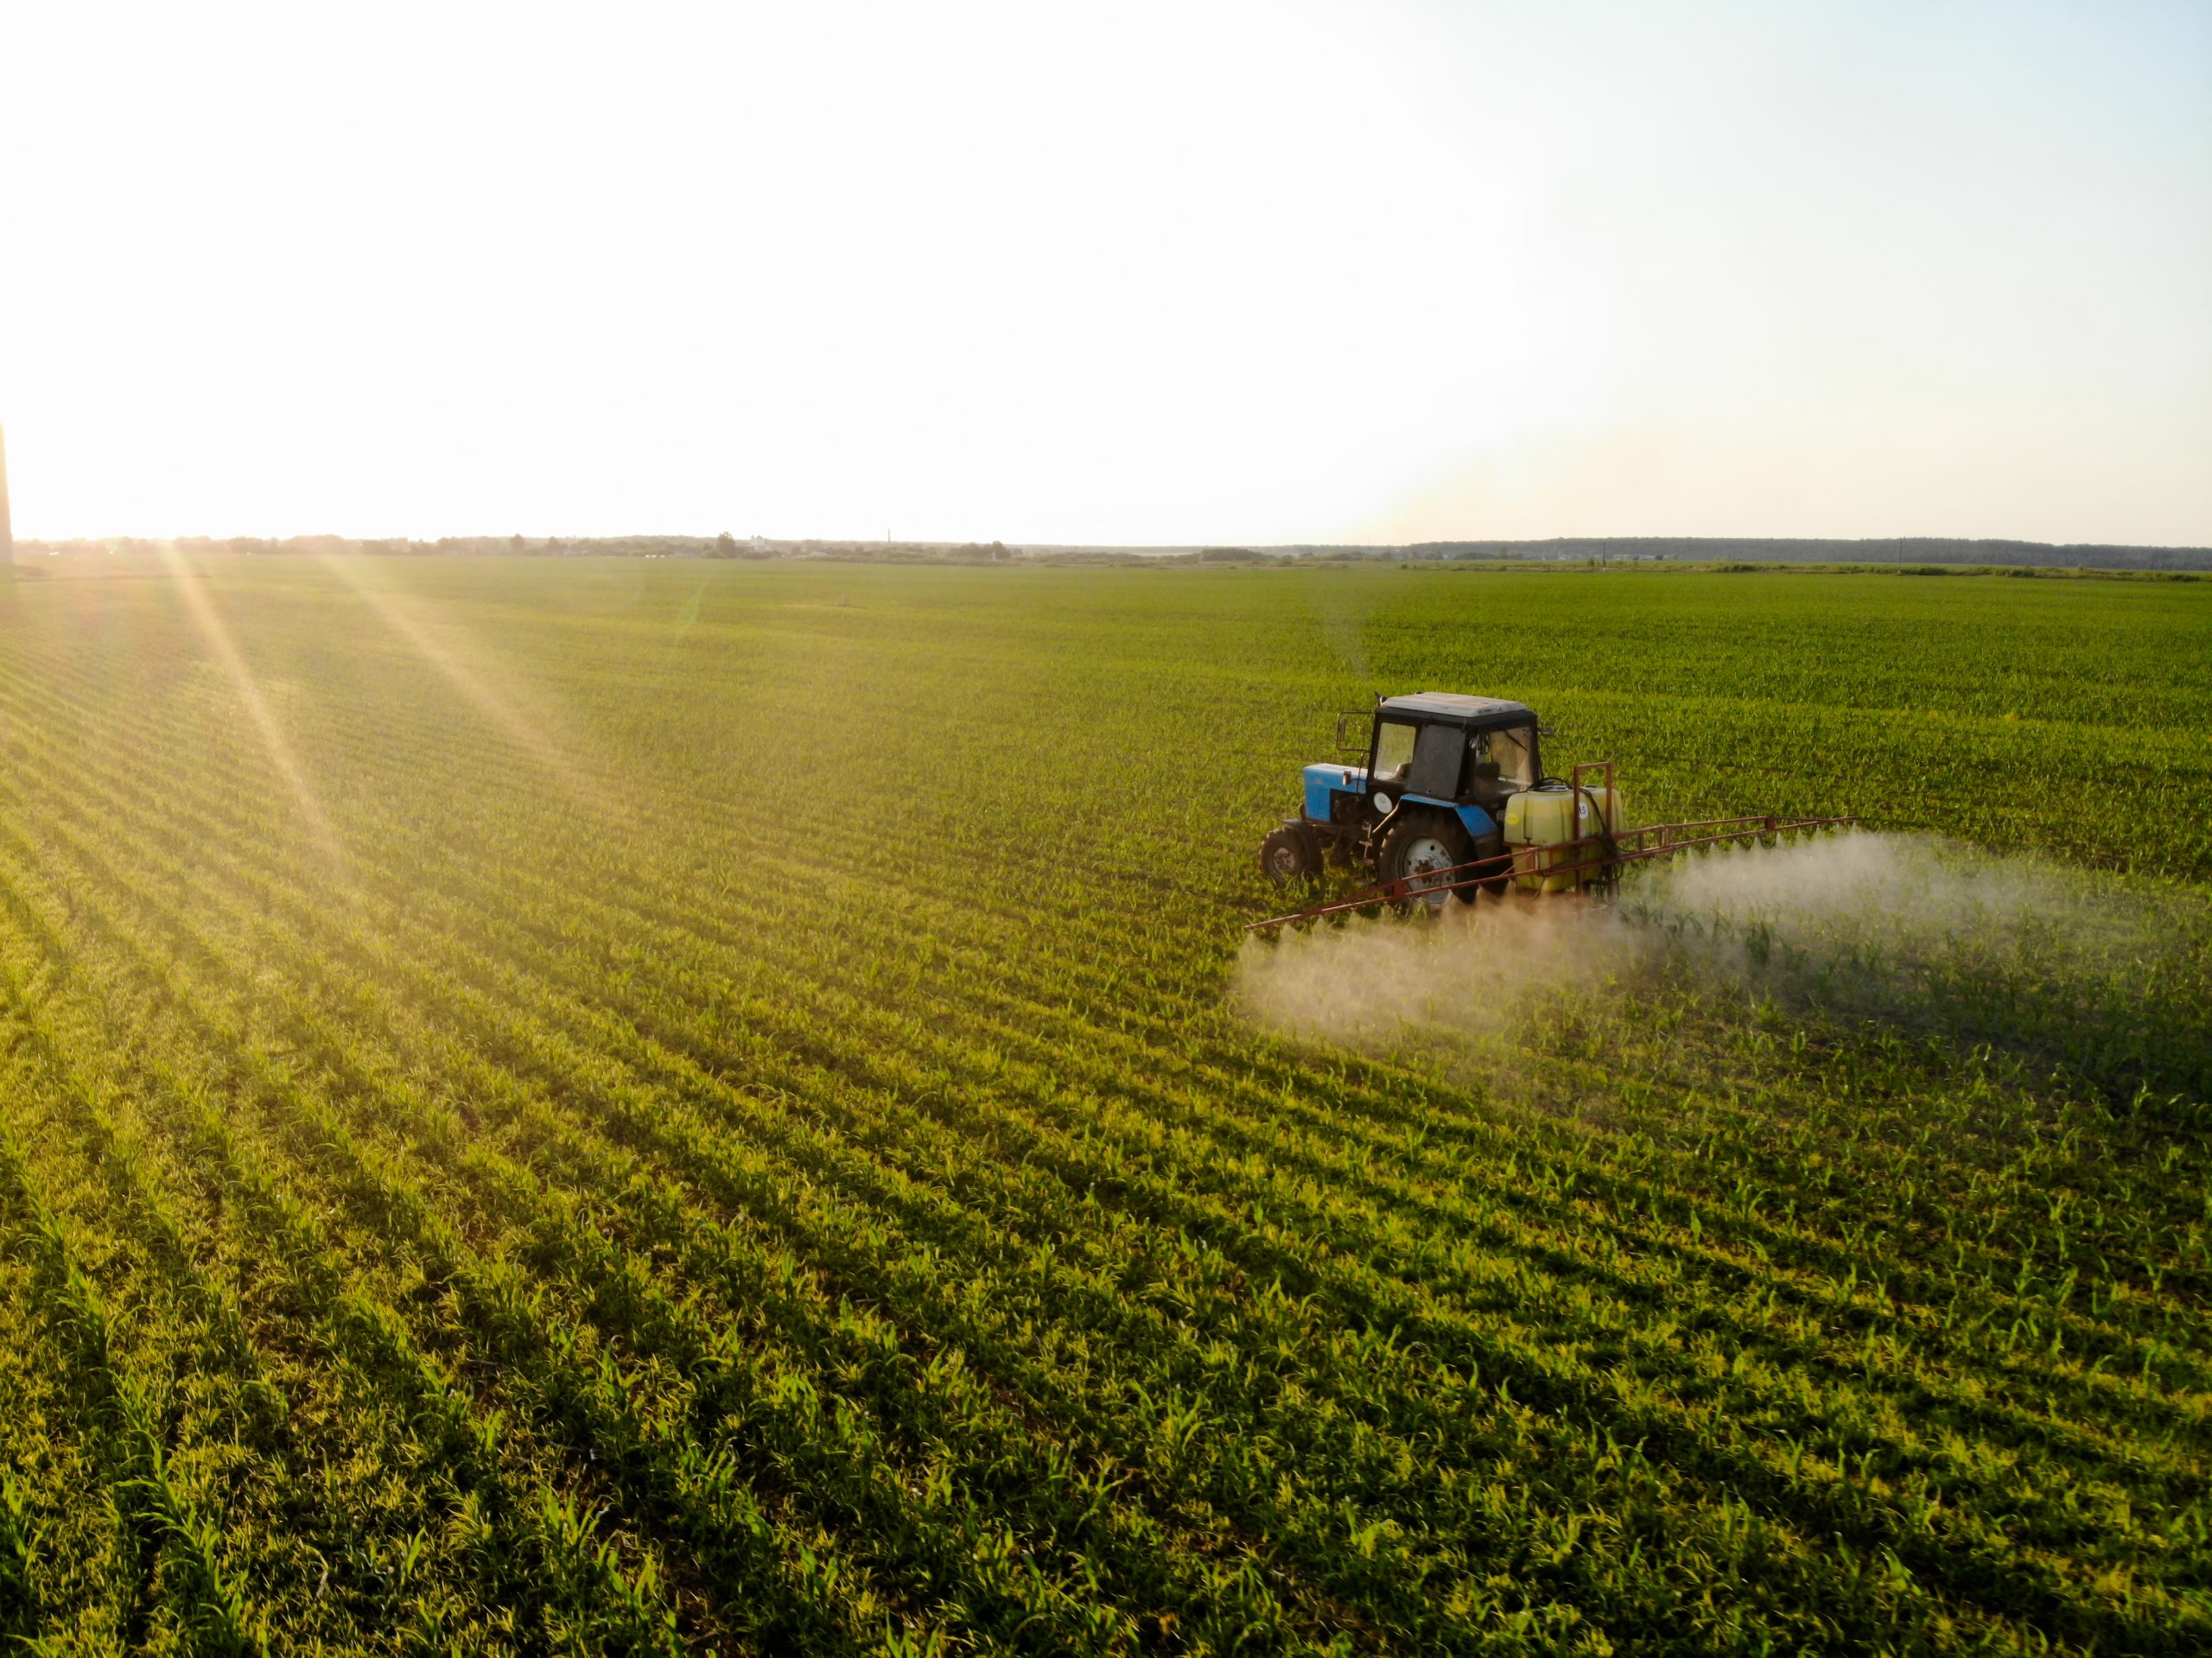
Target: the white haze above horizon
pixel 1127 273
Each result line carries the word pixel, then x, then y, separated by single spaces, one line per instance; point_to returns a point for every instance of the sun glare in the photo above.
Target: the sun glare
pixel 1147 273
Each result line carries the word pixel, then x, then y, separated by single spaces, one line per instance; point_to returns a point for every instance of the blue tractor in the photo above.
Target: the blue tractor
pixel 1441 768
pixel 1454 800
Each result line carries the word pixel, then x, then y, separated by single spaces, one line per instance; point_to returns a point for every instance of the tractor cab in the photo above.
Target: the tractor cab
pixel 1439 769
pixel 1451 750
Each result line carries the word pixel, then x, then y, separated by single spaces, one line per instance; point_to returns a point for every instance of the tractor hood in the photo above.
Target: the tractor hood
pixel 1322 781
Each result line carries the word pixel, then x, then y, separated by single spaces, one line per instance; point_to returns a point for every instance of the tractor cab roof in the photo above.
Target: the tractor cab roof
pixel 1477 713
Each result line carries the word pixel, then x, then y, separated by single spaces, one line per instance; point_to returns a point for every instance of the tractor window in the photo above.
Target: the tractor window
pixel 1394 750
pixel 1511 751
pixel 1437 759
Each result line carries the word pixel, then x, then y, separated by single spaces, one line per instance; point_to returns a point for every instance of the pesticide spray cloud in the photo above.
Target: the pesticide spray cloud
pixel 1383 986
pixel 2107 975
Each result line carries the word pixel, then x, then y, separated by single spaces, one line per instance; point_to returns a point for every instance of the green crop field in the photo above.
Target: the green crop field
pixel 635 1106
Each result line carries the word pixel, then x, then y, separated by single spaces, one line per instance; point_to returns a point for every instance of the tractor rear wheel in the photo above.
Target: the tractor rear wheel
pixel 1289 854
pixel 1416 849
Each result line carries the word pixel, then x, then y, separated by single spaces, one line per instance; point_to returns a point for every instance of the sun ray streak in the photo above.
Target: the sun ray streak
pixel 528 735
pixel 222 649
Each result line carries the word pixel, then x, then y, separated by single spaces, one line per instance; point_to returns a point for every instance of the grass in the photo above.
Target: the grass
pixel 624 1107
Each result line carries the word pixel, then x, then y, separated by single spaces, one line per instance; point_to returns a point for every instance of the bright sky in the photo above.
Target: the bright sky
pixel 1119 272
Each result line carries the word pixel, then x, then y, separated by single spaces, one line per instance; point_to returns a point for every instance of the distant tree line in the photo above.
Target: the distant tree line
pixel 722 546
pixel 1931 552
pixel 1894 549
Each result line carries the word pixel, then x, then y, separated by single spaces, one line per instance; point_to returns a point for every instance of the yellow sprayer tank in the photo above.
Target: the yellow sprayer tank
pixel 1540 825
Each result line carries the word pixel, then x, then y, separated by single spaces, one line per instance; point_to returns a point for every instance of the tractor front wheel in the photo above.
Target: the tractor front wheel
pixel 1289 854
pixel 1417 849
